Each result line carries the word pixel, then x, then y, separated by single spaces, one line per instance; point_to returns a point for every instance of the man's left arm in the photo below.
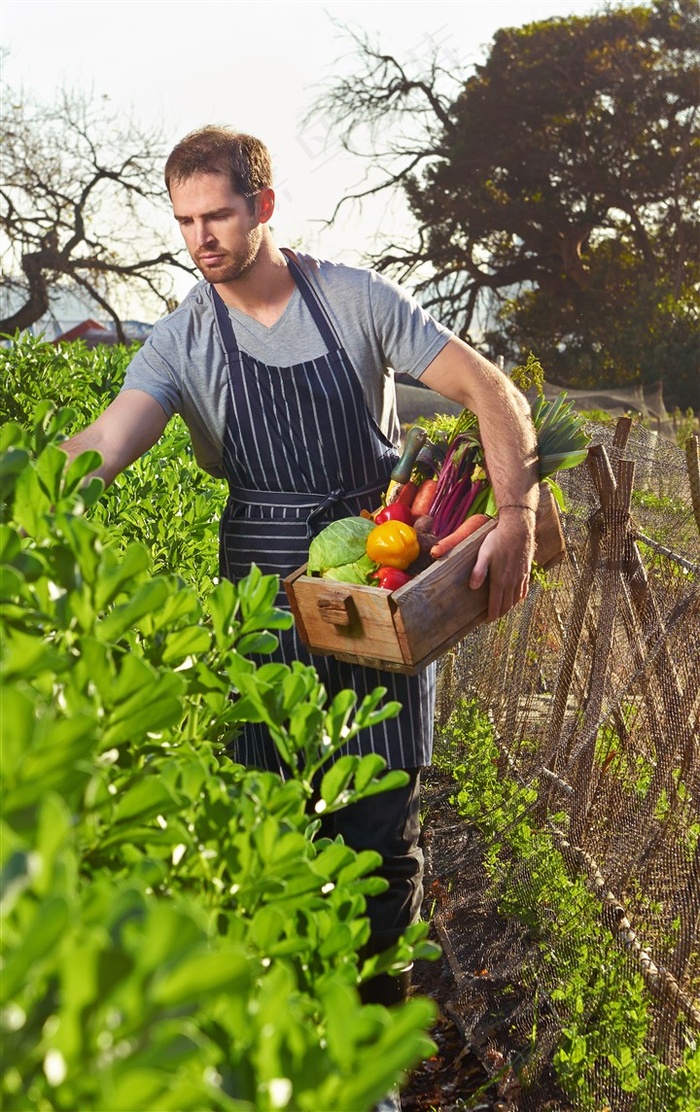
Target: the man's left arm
pixel 458 372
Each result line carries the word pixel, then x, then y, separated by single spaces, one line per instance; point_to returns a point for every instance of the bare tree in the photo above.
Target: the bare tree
pixel 82 205
pixel 553 187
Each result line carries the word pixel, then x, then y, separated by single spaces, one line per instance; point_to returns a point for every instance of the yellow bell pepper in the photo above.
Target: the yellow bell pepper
pixel 393 544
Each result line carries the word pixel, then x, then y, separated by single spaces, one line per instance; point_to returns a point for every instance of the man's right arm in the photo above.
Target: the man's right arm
pixel 124 431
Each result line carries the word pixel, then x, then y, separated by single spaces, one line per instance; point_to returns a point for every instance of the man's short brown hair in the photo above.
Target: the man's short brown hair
pixel 220 150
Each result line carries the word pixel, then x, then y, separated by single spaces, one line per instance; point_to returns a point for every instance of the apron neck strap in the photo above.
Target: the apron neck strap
pixel 312 301
pixel 225 327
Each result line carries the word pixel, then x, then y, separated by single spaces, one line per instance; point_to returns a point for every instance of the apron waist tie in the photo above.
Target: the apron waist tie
pixel 318 504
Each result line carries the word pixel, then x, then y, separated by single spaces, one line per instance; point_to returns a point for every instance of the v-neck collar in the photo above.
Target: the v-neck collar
pixel 256 326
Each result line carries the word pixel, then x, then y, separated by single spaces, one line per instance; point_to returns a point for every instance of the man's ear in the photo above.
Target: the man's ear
pixel 265 204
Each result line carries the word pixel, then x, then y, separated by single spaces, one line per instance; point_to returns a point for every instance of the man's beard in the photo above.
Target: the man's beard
pixel 229 267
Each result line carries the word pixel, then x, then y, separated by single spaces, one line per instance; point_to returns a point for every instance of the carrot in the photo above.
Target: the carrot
pixel 468 526
pixel 424 497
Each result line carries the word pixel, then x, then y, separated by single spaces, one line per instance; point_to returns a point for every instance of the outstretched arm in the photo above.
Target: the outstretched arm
pixel 127 428
pixel 510 448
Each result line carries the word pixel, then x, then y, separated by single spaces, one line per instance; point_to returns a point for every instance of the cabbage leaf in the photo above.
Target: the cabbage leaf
pixel 338 552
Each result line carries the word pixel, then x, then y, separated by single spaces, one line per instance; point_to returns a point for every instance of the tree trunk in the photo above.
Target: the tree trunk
pixel 37 302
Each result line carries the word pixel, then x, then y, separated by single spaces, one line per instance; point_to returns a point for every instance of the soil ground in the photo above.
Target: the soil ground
pixel 455 1078
pixel 476 1030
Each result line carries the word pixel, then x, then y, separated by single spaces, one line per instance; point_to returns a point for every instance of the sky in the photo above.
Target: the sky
pixel 257 66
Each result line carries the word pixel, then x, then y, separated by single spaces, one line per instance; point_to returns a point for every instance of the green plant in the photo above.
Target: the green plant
pixel 601 999
pixel 685 424
pixel 70 376
pixel 601 417
pixel 529 376
pixel 175 932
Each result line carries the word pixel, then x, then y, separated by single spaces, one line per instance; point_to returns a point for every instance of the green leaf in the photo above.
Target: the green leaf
pixel 395 778
pixel 18 874
pixel 262 643
pixel 222 606
pixel 40 940
pixel 11 434
pixel 211 972
pixel 145 599
pixel 12 464
pixel 557 494
pixel 10 544
pixel 338 714
pixel 54 830
pixel 183 643
pixel 79 468
pixel 336 780
pixel 340 1006
pixel 139 1087
pixel 30 503
pixel 266 927
pixel 116 574
pixel 366 861
pixel 169 932
pixel 49 471
pixel 26 656
pixel 369 767
pixel 333 858
pixel 145 800
pixel 143 702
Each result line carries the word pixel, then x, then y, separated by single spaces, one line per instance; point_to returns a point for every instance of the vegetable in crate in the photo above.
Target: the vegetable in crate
pixel 562 441
pixel 446 543
pixel 393 544
pixel 400 485
pixel 339 551
pixel 460 500
pixel 397 511
pixel 390 579
pixel 423 498
pixel 457 486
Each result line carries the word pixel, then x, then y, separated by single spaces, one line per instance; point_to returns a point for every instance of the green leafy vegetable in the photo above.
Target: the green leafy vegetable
pixel 338 552
pixel 359 571
pixel 463 483
pixel 561 438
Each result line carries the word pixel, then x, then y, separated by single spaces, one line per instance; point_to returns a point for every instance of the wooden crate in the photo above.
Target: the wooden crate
pixel 404 630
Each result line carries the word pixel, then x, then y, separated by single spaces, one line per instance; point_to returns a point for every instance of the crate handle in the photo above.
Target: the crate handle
pixel 338 610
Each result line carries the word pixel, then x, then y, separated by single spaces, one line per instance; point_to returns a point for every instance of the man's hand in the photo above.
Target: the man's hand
pixel 506 555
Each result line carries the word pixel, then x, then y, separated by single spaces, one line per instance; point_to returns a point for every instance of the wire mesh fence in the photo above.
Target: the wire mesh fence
pixel 579 978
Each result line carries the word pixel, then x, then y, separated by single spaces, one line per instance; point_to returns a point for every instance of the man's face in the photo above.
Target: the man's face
pixel 221 233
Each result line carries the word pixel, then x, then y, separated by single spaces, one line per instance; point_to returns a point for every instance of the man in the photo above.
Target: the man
pixel 282 367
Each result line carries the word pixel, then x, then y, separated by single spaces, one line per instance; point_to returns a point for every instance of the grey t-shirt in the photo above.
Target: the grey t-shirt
pixel 383 329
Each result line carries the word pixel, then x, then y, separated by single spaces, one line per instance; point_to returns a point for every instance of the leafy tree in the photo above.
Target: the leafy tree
pixel 81 194
pixel 554 193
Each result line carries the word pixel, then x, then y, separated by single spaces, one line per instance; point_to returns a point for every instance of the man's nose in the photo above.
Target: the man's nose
pixel 203 233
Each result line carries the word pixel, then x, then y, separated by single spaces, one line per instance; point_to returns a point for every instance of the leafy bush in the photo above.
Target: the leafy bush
pixel 176 934
pixel 70 376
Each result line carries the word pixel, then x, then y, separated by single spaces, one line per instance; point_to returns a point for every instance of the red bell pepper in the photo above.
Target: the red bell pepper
pixel 397 511
pixel 392 578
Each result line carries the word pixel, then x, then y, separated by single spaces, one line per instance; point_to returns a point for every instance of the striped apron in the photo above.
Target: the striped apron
pixel 300 450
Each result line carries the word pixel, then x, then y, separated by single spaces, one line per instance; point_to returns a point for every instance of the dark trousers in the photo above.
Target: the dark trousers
pixel 390 824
